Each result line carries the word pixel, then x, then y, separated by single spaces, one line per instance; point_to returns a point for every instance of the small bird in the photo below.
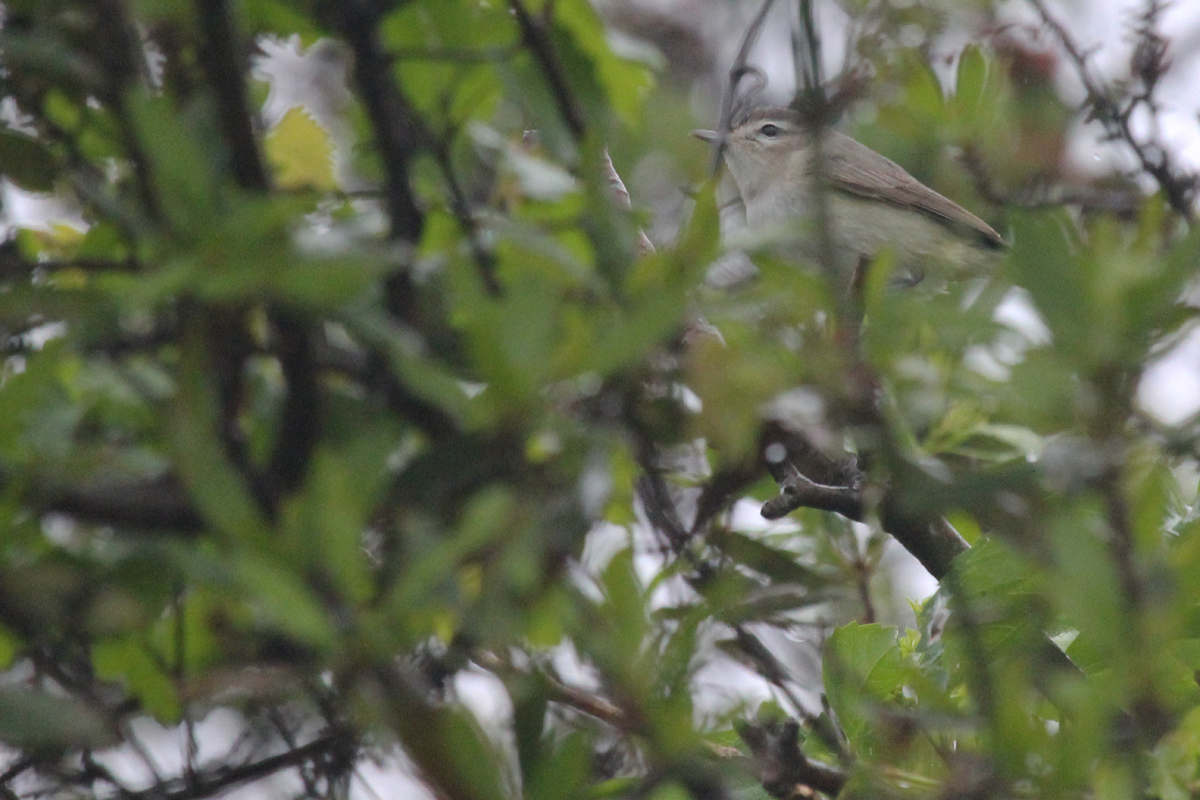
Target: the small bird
pixel 874 205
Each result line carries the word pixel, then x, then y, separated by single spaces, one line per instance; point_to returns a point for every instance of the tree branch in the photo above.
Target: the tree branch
pixel 795 463
pixel 485 260
pixel 399 134
pixel 1149 65
pixel 300 418
pixel 226 76
pixel 797 491
pixel 161 504
pixel 125 62
pixel 223 779
pixel 783 767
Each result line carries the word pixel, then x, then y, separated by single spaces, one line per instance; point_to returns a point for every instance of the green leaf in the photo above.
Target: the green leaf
pixel 1174 760
pixel 278 589
pixel 623 609
pixel 35 720
pixel 564 771
pixel 626 83
pixel 670 791
pixel 129 661
pixel 301 152
pixel 1046 263
pixel 249 254
pixel 1155 496
pixel 1152 303
pixel 42 418
pixel 486 517
pixel 280 18
pixel 9 647
pixel 453 89
pixel 427 378
pixel 1089 598
pixel 700 241
pixel 513 338
pixel 972 74
pixel 1003 591
pixel 211 478
pixel 780 566
pixel 26 162
pixel 448 744
pixel 923 92
pixel 329 517
pixel 184 151
pixel 863 669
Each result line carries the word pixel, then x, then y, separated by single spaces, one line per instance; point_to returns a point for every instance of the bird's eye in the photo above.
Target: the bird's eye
pixel 770 131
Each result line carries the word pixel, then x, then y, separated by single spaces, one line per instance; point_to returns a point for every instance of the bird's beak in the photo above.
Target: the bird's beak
pixel 706 136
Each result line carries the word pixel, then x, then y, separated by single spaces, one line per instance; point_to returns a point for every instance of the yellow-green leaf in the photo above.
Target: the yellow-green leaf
pixel 301 152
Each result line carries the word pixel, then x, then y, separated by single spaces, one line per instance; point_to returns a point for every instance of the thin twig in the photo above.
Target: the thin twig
pixel 1179 188
pixel 485 260
pixel 737 71
pixel 1123 203
pixel 223 779
pixel 806 49
pixel 179 678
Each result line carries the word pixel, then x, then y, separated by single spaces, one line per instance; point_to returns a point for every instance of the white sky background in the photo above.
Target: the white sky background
pixel 1170 390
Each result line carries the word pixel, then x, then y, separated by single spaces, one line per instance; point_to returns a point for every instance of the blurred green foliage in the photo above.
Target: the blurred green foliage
pixel 269 443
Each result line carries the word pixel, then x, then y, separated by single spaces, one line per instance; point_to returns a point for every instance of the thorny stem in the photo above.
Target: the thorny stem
pixel 1179 188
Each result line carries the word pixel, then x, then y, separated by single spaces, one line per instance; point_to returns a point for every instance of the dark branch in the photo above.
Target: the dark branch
pixel 161 505
pixel 15 266
pixel 783 767
pixel 399 134
pixel 125 65
pixel 221 780
pixel 485 260
pixel 723 489
pixel 300 419
pixel 934 542
pixel 1122 202
pixel 797 491
pixel 797 466
pixel 660 508
pixel 219 58
pixel 806 51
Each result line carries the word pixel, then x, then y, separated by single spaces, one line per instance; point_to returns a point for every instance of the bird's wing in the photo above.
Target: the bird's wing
pixel 857 169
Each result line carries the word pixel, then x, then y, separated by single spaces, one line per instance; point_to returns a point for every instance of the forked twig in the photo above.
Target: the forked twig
pixel 1116 115
pixel 730 104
